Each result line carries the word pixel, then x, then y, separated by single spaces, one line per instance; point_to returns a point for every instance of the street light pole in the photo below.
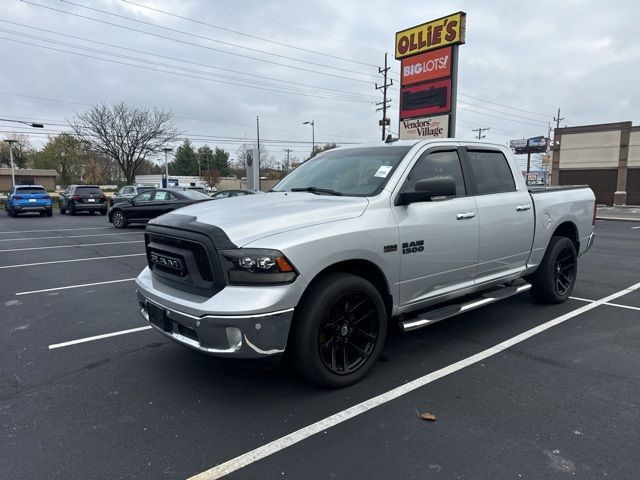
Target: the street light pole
pixel 313 135
pixel 11 142
pixel 166 166
pixel 13 176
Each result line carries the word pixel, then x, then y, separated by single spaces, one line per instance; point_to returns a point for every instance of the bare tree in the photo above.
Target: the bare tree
pixel 22 150
pixel 211 177
pixel 126 134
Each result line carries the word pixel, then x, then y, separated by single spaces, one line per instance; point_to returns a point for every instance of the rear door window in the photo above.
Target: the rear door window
pixel 490 171
pixel 144 196
pixel 162 196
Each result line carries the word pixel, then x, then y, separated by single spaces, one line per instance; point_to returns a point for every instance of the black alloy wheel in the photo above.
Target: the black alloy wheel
pixel 338 330
pixel 555 277
pixel 564 271
pixel 348 333
pixel 118 219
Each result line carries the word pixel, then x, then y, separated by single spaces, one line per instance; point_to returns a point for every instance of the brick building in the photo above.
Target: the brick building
pixel 28 176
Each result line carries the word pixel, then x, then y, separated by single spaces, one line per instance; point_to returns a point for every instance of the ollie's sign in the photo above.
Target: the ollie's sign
pixel 426 66
pixel 435 34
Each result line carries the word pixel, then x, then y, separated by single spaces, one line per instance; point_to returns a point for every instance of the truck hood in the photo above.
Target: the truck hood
pixel 251 217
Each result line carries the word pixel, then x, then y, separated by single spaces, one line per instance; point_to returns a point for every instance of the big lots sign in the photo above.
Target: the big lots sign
pixel 427 66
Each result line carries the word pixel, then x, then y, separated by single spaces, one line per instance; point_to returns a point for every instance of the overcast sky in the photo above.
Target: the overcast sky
pixel 294 61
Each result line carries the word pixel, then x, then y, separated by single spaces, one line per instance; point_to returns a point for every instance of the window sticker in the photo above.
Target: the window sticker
pixel 383 171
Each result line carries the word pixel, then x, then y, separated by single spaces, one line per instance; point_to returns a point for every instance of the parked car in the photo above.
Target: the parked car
pixel 83 198
pixel 28 198
pixel 152 203
pixel 189 187
pixel 231 193
pixel 406 232
pixel 127 192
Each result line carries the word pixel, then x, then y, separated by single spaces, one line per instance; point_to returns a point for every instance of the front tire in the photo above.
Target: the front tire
pixel 556 275
pixel 339 330
pixel 118 219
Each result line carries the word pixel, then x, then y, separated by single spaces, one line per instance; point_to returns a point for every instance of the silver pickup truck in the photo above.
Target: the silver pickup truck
pixel 357 239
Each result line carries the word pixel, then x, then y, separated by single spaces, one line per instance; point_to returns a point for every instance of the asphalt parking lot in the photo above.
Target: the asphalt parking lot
pixel 519 390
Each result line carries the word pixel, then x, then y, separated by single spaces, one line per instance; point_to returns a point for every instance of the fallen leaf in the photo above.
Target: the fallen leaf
pixel 427 416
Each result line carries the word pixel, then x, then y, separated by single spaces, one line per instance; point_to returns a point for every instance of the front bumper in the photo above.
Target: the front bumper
pixel 241 336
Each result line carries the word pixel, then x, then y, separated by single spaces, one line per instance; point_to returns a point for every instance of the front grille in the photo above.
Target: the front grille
pixel 197 250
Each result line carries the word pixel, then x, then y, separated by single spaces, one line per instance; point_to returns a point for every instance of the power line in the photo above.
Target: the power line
pixel 501 118
pixel 249 35
pixel 184 42
pixel 202 37
pixel 290 92
pixel 504 113
pixel 295 27
pixel 545 115
pixel 82 47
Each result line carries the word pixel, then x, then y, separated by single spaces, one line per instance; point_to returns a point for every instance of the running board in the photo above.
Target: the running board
pixel 442 313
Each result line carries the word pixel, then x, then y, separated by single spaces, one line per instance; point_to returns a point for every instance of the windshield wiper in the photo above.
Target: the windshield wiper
pixel 316 190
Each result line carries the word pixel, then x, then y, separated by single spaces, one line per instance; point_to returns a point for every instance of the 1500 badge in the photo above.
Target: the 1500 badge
pixel 413 247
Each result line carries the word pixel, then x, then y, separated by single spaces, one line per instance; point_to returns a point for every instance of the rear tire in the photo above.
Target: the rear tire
pixel 338 331
pixel 556 275
pixel 12 213
pixel 62 210
pixel 103 212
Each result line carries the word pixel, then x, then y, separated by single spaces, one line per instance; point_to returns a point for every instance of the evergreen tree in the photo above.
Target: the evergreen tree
pixel 185 161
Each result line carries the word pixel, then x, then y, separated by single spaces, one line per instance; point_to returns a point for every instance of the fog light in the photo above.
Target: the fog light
pixel 234 337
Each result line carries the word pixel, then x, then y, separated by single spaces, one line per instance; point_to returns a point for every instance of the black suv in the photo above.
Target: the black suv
pixel 83 198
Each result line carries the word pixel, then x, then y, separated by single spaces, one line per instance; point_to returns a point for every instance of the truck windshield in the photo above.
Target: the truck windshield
pixel 358 172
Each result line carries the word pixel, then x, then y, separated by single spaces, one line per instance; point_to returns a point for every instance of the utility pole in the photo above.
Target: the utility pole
pixel 288 150
pixel 166 166
pixel 558 119
pixel 480 130
pixel 13 176
pixel 385 103
pixel 258 159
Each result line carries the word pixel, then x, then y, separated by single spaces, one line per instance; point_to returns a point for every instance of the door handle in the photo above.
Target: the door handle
pixel 522 208
pixel 465 215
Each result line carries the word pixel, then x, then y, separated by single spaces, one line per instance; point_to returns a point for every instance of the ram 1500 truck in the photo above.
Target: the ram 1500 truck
pixel 356 239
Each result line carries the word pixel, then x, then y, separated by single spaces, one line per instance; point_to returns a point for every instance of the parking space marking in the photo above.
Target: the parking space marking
pixel 55 230
pixel 622 306
pixel 291 439
pixel 55 289
pixel 607 303
pixel 635 228
pixel 68 246
pixel 581 299
pixel 69 261
pixel 70 236
pixel 98 337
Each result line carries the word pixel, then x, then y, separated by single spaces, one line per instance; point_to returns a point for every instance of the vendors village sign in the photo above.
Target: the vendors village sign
pixel 429 76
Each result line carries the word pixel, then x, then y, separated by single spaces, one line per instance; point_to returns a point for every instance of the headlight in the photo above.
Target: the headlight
pixel 253 266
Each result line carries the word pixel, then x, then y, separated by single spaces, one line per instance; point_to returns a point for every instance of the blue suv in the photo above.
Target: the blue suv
pixel 28 198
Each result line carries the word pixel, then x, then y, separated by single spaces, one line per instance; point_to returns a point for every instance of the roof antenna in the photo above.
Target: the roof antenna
pixel 390 139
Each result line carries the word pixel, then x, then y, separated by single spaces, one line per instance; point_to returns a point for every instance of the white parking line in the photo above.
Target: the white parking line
pixel 75 286
pixel 98 337
pixel 363 407
pixel 635 228
pixel 581 299
pixel 54 230
pixel 69 261
pixel 70 236
pixel 68 246
pixel 622 306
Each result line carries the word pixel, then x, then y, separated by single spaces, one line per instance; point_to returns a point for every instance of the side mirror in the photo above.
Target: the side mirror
pixel 428 189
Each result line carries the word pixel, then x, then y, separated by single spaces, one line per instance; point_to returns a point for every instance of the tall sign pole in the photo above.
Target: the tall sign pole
pixel 429 76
